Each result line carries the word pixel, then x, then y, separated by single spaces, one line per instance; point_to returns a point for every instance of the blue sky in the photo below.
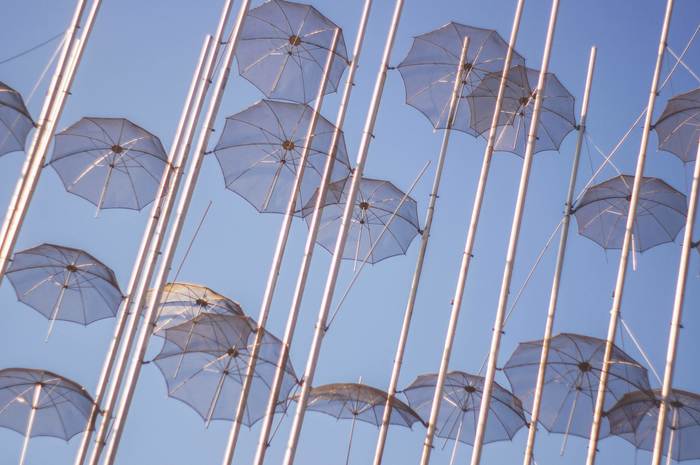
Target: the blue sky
pixel 138 65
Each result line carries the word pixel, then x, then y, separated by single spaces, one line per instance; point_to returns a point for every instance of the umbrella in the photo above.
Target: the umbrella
pixel 601 213
pixel 358 401
pixel 571 380
pixel 40 403
pixel 678 127
pixel 182 302
pixel 110 162
pixel 204 362
pixel 428 71
pixel 556 118
pixel 375 211
pixel 260 148
pixel 283 47
pixel 15 120
pixel 459 410
pixel 635 416
pixel 66 284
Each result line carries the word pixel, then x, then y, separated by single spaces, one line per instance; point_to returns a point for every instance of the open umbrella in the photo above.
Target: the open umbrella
pixel 260 149
pixel 634 418
pixel 15 120
pixel 678 127
pixel 283 47
pixel 40 403
pixel 110 162
pixel 429 70
pixel 375 210
pixel 571 380
pixel 63 283
pixel 557 117
pixel 601 213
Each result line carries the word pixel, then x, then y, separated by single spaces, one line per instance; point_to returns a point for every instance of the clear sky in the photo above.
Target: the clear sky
pixel 138 65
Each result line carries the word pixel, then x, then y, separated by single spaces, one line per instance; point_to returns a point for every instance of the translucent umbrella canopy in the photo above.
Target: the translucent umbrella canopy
pixel 430 68
pixel 678 127
pixel 15 120
pixel 361 402
pixel 602 211
pixel 571 380
pixel 379 206
pixel 283 47
pixel 557 117
pixel 62 409
pixel 260 151
pixel 63 283
pixel 110 162
pixel 204 363
pixel 459 409
pixel 635 416
pixel 181 302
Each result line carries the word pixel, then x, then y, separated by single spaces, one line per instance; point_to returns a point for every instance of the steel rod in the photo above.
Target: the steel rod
pixel 30 422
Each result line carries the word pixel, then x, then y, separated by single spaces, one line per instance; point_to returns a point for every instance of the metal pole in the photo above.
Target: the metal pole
pixel 31 171
pixel 263 442
pixel 138 267
pixel 624 254
pixel 559 266
pixel 327 301
pixel 278 257
pixel 352 433
pixel 30 422
pixel 173 238
pixel 677 317
pixel 469 245
pixel 425 237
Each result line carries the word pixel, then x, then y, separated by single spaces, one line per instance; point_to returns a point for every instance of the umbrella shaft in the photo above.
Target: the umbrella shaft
pixel 30 422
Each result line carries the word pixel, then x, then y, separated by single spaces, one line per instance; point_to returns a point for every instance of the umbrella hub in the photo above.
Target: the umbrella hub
pixel 468 67
pixel 585 367
pixel 71 268
pixel 117 149
pixel 232 352
pixel 676 404
pixel 202 303
pixel 294 40
pixel 470 389
pixel 288 145
pixel 364 205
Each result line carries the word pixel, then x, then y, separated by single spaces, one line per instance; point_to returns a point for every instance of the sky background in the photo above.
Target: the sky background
pixel 138 65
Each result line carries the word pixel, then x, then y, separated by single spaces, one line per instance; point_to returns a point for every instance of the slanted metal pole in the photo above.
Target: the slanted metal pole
pixel 141 258
pixel 334 269
pixel 53 108
pixel 154 300
pixel 677 318
pixel 460 76
pixel 263 442
pixel 279 256
pixel 469 245
pixel 624 254
pixel 30 422
pixel 559 266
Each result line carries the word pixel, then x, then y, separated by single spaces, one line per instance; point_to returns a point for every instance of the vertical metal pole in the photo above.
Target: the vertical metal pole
pixel 677 318
pixel 425 237
pixel 278 256
pixel 352 433
pixel 173 239
pixel 469 245
pixel 30 422
pixel 559 266
pixel 327 301
pixel 31 171
pixel 624 254
pixel 123 316
pixel 263 442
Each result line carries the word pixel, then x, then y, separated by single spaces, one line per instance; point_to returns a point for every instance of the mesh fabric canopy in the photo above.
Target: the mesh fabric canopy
pixel 429 70
pixel 556 118
pixel 602 211
pixel 63 283
pixel 283 47
pixel 635 416
pixel 678 127
pixel 15 121
pixel 571 380
pixel 110 162
pixel 260 150
pixel 459 409
pixel 359 401
pixel 374 209
pixel 204 362
pixel 62 410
